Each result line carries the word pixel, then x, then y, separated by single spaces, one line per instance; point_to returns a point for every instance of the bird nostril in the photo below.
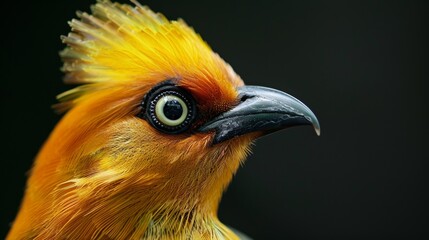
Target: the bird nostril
pixel 244 97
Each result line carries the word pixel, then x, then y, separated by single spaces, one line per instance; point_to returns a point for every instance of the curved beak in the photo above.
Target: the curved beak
pixel 261 109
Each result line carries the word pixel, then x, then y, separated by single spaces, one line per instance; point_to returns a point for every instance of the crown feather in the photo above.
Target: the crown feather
pixel 119 43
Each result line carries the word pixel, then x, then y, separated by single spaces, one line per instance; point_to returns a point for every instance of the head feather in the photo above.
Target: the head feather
pixel 118 44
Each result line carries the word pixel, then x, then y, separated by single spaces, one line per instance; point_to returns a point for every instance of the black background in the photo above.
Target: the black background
pixel 362 66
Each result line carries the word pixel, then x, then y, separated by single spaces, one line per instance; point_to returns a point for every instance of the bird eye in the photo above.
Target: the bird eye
pixel 169 108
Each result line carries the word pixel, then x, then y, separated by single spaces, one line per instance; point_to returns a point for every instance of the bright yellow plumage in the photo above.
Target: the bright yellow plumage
pixel 110 169
pixel 120 44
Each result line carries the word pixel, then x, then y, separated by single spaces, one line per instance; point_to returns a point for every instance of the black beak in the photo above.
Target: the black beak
pixel 261 109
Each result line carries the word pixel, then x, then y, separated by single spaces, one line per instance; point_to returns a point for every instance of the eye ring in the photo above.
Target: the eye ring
pixel 182 111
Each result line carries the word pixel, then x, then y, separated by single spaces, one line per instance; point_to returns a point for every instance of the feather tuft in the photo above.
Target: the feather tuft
pixel 119 43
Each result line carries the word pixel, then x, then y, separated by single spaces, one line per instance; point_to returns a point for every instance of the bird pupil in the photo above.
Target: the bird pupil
pixel 173 109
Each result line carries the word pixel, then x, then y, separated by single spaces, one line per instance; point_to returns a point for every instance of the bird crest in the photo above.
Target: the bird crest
pixel 120 44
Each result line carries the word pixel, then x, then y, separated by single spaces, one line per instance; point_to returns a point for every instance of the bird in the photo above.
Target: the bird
pixel 153 132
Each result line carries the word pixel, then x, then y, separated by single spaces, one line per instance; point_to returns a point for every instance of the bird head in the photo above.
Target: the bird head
pixel 153 133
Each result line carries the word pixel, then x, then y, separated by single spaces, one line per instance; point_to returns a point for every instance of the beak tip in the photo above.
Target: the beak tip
pixel 317 129
pixel 316 126
pixel 312 119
